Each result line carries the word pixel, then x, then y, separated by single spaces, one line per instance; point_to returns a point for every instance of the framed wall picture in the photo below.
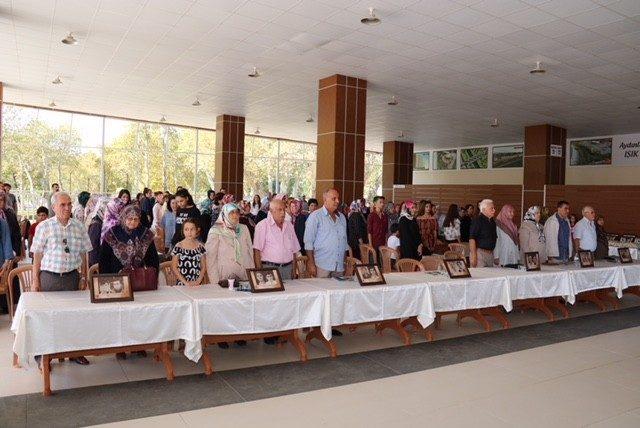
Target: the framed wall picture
pixel 590 152
pixel 422 161
pixel 369 275
pixel 625 255
pixel 107 287
pixel 445 159
pixel 586 259
pixel 532 260
pixel 265 280
pixel 507 156
pixel 457 268
pixel 474 158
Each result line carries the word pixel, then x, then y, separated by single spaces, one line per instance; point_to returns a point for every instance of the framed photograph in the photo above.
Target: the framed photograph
pixel 369 275
pixel 625 255
pixel 628 239
pixel 446 159
pixel 108 287
pixel 457 268
pixel 422 161
pixel 474 158
pixel 590 152
pixel 507 156
pixel 265 280
pixel 586 258
pixel 532 260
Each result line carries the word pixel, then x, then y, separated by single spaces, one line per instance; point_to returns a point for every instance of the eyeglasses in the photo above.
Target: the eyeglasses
pixel 66 248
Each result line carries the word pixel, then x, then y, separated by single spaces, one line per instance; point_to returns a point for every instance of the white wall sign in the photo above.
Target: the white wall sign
pixel 556 151
pixel 626 150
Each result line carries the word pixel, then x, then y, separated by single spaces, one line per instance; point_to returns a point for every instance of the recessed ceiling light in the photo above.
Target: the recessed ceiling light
pixel 538 68
pixel 52 104
pixel 163 119
pixel 310 118
pixel 57 81
pixel 372 19
pixel 254 73
pixel 393 101
pixel 70 40
pixel 196 103
pixel 495 123
pixel 257 131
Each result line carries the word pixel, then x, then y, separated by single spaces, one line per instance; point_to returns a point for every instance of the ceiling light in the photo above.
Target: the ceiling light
pixel 393 101
pixel 310 118
pixel 70 40
pixel 538 69
pixel 52 104
pixel 372 19
pixel 57 81
pixel 254 73
pixel 257 131
pixel 401 136
pixel 163 119
pixel 196 103
pixel 495 123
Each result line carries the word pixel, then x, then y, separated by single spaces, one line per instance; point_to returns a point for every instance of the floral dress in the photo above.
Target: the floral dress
pixel 189 262
pixel 428 227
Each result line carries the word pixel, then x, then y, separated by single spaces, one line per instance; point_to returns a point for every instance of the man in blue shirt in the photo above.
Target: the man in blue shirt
pixel 325 238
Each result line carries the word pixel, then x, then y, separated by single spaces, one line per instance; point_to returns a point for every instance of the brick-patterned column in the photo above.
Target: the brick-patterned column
pixel 540 167
pixel 397 166
pixel 229 172
pixel 342 105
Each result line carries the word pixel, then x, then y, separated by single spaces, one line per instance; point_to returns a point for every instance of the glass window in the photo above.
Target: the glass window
pixel 206 141
pixel 372 175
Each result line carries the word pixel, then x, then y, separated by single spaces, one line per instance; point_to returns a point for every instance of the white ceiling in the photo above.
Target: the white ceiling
pixel 453 65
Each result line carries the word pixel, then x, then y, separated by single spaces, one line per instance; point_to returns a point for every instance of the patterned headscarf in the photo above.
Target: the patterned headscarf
pixel 530 215
pixel 295 207
pixel 130 211
pixel 228 198
pixel 354 207
pixel 111 216
pixel 506 224
pixel 96 207
pixel 224 227
pixel 406 212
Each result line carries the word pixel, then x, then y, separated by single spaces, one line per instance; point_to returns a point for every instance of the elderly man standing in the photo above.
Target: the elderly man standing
pixel 584 232
pixel 59 247
pixel 275 244
pixel 325 238
pixel 483 236
pixel 557 232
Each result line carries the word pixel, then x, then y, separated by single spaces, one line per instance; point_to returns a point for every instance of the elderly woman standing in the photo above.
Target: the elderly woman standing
pixel 506 251
pixel 356 229
pixel 532 234
pixel 229 248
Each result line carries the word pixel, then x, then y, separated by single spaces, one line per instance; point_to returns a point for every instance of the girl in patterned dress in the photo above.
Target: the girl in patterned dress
pixel 188 262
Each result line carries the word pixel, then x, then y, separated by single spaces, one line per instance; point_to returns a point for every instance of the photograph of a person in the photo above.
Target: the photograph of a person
pixel 586 258
pixel 457 268
pixel 532 260
pixel 263 280
pixel 625 255
pixel 369 275
pixel 107 288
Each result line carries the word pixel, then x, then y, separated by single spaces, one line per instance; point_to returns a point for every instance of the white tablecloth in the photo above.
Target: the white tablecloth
pixel 46 323
pixel 603 275
pixel 613 251
pixel 220 311
pixel 631 274
pixel 539 284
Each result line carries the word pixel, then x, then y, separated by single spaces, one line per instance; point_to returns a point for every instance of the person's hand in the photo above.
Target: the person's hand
pixel 473 260
pixel 311 270
pixel 496 262
pixel 420 248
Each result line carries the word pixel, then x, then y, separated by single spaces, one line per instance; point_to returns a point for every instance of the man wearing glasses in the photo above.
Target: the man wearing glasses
pixel 59 247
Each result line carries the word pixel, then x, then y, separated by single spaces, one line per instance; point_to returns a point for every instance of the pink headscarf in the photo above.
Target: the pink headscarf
pixel 506 224
pixel 294 207
pixel 227 199
pixel 111 216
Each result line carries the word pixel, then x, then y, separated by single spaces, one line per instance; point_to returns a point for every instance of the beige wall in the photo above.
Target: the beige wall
pixel 602 175
pixel 469 176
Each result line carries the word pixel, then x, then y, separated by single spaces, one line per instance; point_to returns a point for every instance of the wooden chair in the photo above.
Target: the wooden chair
pixel 350 264
pixel 409 265
pixel 461 249
pixel 300 267
pixel 165 268
pixel 432 262
pixel 5 285
pixel 386 253
pixel 25 278
pixel 93 270
pixel 368 253
pixel 452 255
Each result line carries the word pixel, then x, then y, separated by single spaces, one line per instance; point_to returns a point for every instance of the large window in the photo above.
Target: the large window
pixel 372 175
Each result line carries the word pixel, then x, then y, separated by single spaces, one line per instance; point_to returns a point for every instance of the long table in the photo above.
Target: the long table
pixel 51 324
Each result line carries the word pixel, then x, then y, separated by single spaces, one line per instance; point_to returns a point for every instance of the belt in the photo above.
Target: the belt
pixel 276 264
pixel 71 272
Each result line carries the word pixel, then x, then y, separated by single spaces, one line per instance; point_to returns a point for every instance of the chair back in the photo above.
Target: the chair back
pixel 300 267
pixel 409 265
pixel 159 240
pixel 461 249
pixel 93 270
pixel 367 254
pixel 170 278
pixel 25 277
pixel 451 255
pixel 4 276
pixel 350 264
pixel 386 253
pixel 432 262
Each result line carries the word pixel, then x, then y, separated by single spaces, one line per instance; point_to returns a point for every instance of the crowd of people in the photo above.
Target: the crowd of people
pixel 221 237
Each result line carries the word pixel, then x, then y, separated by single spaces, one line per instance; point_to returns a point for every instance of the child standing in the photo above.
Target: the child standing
pixel 188 263
pixel 393 242
pixel 42 213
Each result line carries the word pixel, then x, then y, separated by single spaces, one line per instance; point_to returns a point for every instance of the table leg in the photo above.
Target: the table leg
pixel 537 304
pixel 591 297
pixel 476 315
pixel 496 312
pixel 316 333
pixel 394 325
pixel 206 360
pixel 606 297
pixel 635 290
pixel 299 345
pixel 163 350
pixel 46 373
pixel 555 303
pixel 413 322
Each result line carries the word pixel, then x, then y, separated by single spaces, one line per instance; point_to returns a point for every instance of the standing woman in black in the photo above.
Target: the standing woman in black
pixel 186 209
pixel 410 240
pixel 356 229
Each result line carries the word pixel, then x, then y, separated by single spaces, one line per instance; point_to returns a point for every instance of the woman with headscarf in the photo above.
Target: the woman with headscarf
pixel 299 220
pixel 506 250
pixel 410 239
pixel 428 227
pixel 78 210
pixel 531 234
pixel 356 229
pixel 111 216
pixel 93 221
pixel 229 248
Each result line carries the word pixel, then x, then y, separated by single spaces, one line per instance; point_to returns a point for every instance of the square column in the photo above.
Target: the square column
pixel 342 106
pixel 397 166
pixel 229 172
pixel 540 168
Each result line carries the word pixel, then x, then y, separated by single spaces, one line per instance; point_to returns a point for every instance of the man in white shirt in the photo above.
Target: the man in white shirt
pixel 584 232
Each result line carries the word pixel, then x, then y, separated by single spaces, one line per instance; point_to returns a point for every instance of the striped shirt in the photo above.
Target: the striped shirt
pixel 62 247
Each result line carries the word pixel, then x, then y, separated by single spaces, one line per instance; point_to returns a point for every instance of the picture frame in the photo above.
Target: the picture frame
pixel 628 239
pixel 532 261
pixel 457 268
pixel 625 255
pixel 369 274
pixel 111 287
pixel 586 259
pixel 265 280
